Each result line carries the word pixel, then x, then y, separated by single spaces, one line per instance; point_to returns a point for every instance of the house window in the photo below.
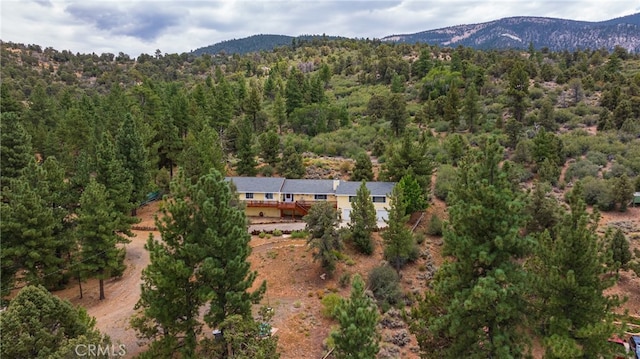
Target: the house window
pixel 320 197
pixel 248 195
pixel 379 199
pixel 268 195
pixel 352 198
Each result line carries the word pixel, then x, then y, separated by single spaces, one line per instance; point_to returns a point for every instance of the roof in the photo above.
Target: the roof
pixel 257 184
pixel 308 186
pixel 376 188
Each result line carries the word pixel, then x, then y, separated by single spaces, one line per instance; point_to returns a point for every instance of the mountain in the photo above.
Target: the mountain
pixel 257 43
pixel 519 32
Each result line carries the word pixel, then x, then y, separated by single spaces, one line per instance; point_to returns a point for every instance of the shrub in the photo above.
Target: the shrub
pixel 598 192
pixel 581 169
pixel 277 232
pixel 329 304
pixel 299 234
pixel 267 171
pixel 345 280
pixel 597 158
pixel 444 181
pixel 384 283
pixel 435 226
pixel 262 234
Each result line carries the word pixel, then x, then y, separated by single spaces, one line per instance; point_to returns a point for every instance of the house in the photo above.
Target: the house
pixel 636 199
pixel 280 197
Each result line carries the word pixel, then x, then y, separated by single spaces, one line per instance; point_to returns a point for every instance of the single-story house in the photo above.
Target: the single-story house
pixel 280 197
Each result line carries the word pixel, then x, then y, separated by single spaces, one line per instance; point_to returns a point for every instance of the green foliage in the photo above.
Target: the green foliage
pixel 202 152
pixel 245 150
pixel 291 165
pixel 435 226
pixel 270 146
pixel 200 264
pixel 15 151
pixel 409 157
pixel 362 220
pixel 574 315
pixel 322 221
pixel 543 211
pixel 358 317
pixel 518 90
pixel 96 231
pixel 447 175
pixel 37 324
pixel 480 294
pixel 619 247
pixel 329 304
pixel 598 192
pixel 413 195
pixel 399 244
pixel 383 281
pixel 363 170
pixel 581 169
pixel 243 338
pixel 134 157
pixel 396 113
pixel 622 191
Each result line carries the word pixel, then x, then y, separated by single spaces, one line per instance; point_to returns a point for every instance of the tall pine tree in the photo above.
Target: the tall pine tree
pixel 362 221
pixel 399 244
pixel 200 265
pixel 479 295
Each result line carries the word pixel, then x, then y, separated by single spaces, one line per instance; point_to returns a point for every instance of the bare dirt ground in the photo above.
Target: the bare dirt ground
pixel 295 286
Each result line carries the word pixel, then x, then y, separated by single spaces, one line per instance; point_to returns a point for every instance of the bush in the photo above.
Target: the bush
pixel 598 192
pixel 262 234
pixel 384 283
pixel 597 158
pixel 581 169
pixel 329 304
pixel 277 233
pixel 440 126
pixel 267 171
pixel 299 234
pixel 444 181
pixel 345 280
pixel 435 226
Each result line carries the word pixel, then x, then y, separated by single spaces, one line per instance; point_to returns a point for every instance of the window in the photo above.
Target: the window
pixel 268 195
pixel 352 198
pixel 248 195
pixel 318 197
pixel 379 199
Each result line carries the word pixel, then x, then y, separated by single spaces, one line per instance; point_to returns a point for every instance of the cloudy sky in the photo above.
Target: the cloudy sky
pixel 142 26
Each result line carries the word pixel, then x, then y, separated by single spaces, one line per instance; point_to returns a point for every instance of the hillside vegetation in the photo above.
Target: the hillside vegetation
pixel 525 147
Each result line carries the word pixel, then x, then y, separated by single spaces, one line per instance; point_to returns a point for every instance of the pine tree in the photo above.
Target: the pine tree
pixel 362 221
pixel 291 165
pixel 246 153
pixel 270 146
pixel 200 265
pixel 399 244
pixel 623 192
pixel 279 112
pixel 28 241
pixel 15 147
pixel 358 317
pixel 410 156
pixel 37 324
pixel 131 152
pixel 396 113
pixel 451 108
pixel 97 229
pixel 575 316
pixel 202 152
pixel 543 211
pixel 479 296
pixel 619 247
pixel 471 108
pixel 253 106
pixel 413 195
pixel 363 170
pixel 322 221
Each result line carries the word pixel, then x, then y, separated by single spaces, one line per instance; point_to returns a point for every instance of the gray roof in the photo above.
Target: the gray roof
pixel 308 186
pixel 256 184
pixel 376 188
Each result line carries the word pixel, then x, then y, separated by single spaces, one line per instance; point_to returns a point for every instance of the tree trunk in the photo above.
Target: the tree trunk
pixel 80 284
pixel 101 289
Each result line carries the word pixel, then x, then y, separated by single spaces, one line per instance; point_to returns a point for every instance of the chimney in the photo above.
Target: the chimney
pixel 336 183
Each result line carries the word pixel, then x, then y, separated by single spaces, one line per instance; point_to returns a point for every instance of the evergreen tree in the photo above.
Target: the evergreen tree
pixel 471 109
pixel 28 241
pixel 413 195
pixel 362 220
pixel 97 233
pixel 619 247
pixel 575 316
pixel 202 152
pixel 410 156
pixel 543 211
pixel 294 91
pixel 479 296
pixel 291 165
pixel 623 192
pixel 253 106
pixel 15 147
pixel 399 244
pixel 37 324
pixel 270 146
pixel 134 158
pixel 117 181
pixel 322 221
pixel 396 113
pixel 518 90
pixel 363 170
pixel 452 108
pixel 357 337
pixel 278 111
pixel 246 152
pixel 200 265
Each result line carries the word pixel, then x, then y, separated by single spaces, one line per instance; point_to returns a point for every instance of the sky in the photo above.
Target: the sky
pixel 171 26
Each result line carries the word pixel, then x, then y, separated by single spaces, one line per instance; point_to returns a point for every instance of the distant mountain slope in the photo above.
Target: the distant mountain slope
pixel 519 32
pixel 256 43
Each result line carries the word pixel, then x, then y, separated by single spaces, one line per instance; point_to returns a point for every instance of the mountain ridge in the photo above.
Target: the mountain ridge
pixel 515 32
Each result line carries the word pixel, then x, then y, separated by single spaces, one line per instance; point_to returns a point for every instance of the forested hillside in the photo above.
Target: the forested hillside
pixel 525 147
